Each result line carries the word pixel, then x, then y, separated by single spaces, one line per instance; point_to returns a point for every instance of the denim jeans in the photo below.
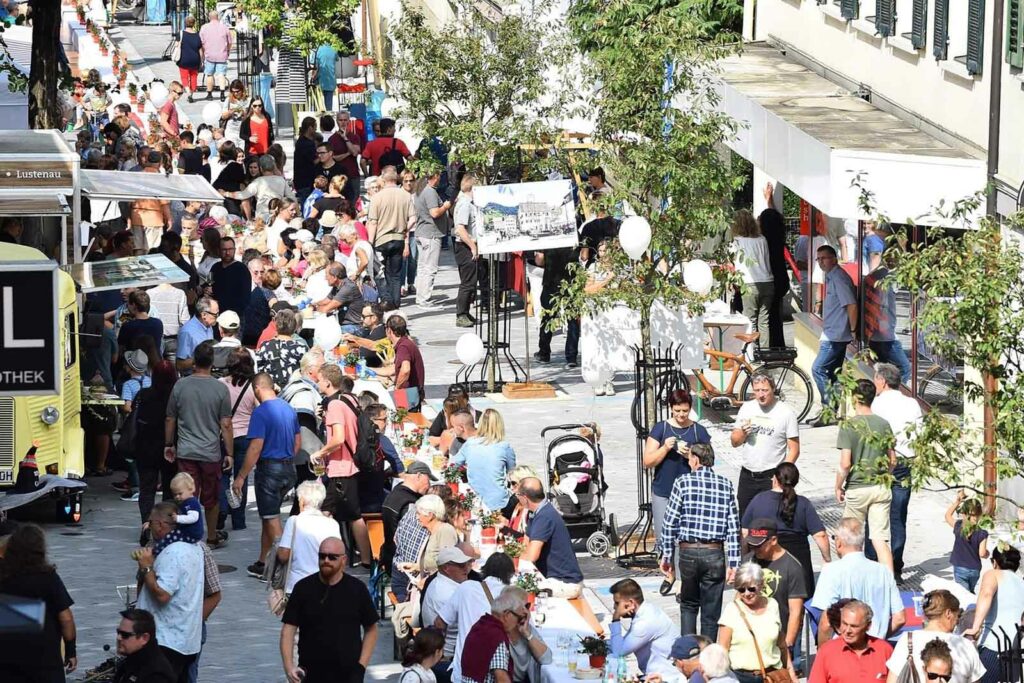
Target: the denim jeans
pixel 892 352
pixel 390 286
pixel 572 330
pixel 702 582
pixel 897 527
pixel 968 578
pixel 328 99
pixel 193 668
pixel 409 264
pixel 238 515
pixel 830 358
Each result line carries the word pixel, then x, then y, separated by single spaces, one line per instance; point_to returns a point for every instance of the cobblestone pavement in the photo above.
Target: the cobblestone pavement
pixel 243 638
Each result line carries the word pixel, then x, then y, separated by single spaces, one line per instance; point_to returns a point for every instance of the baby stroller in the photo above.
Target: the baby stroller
pixel 576 484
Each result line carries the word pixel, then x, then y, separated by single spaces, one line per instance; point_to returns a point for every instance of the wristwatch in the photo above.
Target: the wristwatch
pixel 145 570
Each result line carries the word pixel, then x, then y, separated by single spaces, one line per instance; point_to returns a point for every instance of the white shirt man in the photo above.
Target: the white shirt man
pixel 651 632
pixel 893 406
pixel 452 569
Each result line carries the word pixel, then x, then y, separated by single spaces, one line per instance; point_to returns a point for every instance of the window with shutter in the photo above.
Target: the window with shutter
pixel 941 29
pixel 1014 37
pixel 885 17
pixel 975 36
pixel 849 8
pixel 919 24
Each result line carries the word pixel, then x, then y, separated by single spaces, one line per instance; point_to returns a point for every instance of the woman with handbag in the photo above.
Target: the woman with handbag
pixel 189 56
pixel 750 629
pixel 941 615
pixel 241 370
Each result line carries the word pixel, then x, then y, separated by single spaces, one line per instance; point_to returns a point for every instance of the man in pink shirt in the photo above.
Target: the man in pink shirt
pixel 341 425
pixel 216 38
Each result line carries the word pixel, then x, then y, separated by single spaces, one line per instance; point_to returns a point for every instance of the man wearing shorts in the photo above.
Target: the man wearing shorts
pixel 216 39
pixel 274 442
pixel 341 427
pixel 198 423
pixel 867 448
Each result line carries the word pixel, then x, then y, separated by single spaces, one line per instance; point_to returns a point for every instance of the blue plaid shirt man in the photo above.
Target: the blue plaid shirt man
pixel 701 509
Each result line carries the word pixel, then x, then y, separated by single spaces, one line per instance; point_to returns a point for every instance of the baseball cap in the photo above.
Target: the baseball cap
pixel 685 647
pixel 154 158
pixel 303 235
pixel 420 468
pixel 761 529
pixel 137 360
pixel 228 320
pixel 329 219
pixel 452 554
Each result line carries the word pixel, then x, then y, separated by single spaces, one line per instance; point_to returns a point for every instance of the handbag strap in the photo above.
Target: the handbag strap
pixel 757 648
pixel 487 591
pixel 241 394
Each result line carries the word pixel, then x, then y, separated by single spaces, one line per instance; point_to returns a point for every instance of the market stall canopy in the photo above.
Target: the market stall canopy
pixel 135 271
pixel 36 162
pixel 34 205
pixel 125 186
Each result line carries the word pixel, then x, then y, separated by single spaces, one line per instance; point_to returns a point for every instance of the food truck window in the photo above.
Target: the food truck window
pixel 70 348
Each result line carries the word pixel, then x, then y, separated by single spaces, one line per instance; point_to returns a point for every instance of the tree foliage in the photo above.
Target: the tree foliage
pixel 482 84
pixel 304 25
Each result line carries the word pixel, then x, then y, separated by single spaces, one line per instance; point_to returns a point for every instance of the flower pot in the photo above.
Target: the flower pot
pixel 454 487
pixel 597 661
pixel 487 532
pixel 530 599
pixel 350 370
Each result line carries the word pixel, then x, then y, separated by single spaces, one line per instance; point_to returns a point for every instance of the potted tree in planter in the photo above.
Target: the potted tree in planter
pixel 528 582
pixel 596 648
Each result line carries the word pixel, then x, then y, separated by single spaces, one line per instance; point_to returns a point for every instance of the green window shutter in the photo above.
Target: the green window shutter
pixel 975 36
pixel 919 24
pixel 848 8
pixel 1014 27
pixel 885 17
pixel 941 29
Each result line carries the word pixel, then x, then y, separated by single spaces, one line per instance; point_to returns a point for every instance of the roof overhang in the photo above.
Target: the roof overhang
pixel 125 186
pixel 34 205
pixel 815 138
pixel 147 270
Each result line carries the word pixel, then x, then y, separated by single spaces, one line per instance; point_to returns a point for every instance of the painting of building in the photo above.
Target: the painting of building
pixel 525 216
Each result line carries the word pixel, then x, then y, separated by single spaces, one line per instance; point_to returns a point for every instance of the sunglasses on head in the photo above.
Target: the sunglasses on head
pixel 932 676
pixel 333 557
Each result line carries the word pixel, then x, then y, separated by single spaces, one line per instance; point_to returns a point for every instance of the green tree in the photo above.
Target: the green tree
pixel 312 23
pixel 660 138
pixel 481 84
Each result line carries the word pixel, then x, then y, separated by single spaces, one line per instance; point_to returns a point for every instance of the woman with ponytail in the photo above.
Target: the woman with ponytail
pixel 421 654
pixel 795 516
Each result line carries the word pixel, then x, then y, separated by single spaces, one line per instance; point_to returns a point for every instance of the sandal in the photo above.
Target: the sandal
pixel 666 587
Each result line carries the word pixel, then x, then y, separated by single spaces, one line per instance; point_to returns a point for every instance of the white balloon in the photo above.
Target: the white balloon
pixel 635 236
pixel 470 349
pixel 327 333
pixel 158 94
pixel 596 375
pixel 594 371
pixel 697 277
pixel 211 114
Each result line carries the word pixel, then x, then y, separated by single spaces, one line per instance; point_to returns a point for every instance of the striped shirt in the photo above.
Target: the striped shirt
pixel 701 509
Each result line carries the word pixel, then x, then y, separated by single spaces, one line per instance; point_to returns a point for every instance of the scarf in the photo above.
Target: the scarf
pixel 483 640
pixel 172 537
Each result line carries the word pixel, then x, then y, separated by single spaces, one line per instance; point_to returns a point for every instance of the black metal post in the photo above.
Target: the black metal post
pixel 493 308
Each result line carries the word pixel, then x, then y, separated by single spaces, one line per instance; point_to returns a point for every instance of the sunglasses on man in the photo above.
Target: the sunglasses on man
pixel 333 557
pixel 125 635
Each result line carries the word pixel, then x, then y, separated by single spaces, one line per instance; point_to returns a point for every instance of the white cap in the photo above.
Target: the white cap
pixel 452 554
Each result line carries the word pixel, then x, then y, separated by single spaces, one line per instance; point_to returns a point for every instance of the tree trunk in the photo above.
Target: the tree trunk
pixel 43 106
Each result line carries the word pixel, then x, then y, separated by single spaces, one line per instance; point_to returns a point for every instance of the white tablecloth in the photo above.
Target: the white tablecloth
pixel 561 618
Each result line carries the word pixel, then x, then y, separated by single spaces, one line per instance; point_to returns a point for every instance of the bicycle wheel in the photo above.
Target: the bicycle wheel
pixel 792 386
pixel 665 382
pixel 938 388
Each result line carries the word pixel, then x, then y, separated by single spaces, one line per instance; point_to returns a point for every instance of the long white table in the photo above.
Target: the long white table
pixel 561 618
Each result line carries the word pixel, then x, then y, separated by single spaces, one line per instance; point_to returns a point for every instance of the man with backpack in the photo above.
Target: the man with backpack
pixel 385 150
pixel 303 394
pixel 351 444
pixel 229 323
pixel 392 216
pixel 273 444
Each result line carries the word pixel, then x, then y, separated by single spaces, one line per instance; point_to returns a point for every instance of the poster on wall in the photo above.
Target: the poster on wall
pixel 525 216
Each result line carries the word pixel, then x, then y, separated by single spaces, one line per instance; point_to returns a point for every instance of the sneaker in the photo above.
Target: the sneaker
pixel 130 496
pixel 463 321
pixel 427 306
pixel 472 319
pixel 122 486
pixel 599 391
pixel 410 290
pixel 539 357
pixel 573 363
pixel 608 389
pixel 256 570
pixel 222 535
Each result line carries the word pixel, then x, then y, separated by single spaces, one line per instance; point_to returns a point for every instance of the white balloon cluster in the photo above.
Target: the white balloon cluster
pixel 470 349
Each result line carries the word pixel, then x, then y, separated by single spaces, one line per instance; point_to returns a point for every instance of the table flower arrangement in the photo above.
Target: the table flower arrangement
pixel 596 648
pixel 513 549
pixel 411 441
pixel 453 475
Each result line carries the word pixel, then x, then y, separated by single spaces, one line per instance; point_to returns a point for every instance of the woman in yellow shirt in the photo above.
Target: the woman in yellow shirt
pixel 750 629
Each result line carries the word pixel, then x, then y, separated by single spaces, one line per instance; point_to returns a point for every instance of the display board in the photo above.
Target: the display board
pixel 525 216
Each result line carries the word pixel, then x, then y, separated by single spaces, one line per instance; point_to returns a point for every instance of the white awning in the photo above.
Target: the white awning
pixel 34 205
pixel 147 270
pixel 123 186
pixel 815 138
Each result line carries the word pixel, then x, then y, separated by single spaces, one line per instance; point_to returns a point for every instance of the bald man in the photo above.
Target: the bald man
pixel 548 545
pixel 464 427
pixel 335 619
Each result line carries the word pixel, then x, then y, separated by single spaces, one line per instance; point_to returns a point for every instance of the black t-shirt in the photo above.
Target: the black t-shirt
pixel 231 177
pixel 783 579
pixel 190 161
pixel 232 286
pixel 330 620
pixel 304 163
pixel 395 505
pixel 135 328
pixel 766 504
pixel 376 334
pixel 556 267
pixel 36 649
pixel 596 231
pixel 327 203
pixel 329 173
pixel 440 423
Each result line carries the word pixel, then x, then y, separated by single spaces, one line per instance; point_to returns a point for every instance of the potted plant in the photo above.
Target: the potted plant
pixel 513 549
pixel 133 92
pixel 398 416
pixel 489 525
pixel 465 501
pixel 351 358
pixel 595 647
pixel 528 582
pixel 412 440
pixel 80 12
pixel 385 350
pixel 453 476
